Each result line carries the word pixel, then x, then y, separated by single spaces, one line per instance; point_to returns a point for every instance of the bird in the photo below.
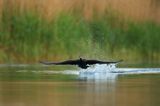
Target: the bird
pixel 82 63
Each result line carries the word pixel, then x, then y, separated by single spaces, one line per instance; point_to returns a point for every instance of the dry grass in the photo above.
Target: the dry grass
pixel 135 9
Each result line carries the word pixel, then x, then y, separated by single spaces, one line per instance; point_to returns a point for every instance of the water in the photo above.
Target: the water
pixel 100 85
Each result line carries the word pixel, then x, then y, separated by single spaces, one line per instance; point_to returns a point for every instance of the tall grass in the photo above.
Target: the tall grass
pixel 144 38
pixel 26 35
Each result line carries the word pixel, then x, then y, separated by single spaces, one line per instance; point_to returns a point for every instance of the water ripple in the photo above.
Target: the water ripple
pixel 100 72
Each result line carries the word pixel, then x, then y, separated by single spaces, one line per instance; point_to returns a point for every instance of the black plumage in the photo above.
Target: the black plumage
pixel 82 63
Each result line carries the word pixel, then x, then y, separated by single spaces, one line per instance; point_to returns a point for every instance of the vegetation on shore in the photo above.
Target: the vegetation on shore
pixel 28 37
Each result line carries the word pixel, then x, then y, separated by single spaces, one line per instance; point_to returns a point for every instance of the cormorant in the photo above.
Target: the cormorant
pixel 82 63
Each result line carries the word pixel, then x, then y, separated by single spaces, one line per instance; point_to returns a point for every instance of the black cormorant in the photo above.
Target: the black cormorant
pixel 82 63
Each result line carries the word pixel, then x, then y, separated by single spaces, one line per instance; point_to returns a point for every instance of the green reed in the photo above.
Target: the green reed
pixel 29 37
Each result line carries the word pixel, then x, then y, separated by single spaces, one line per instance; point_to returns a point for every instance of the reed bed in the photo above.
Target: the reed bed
pixel 33 30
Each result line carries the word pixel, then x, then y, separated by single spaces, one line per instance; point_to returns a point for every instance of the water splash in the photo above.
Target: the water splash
pixel 138 70
pixel 99 72
pixel 110 72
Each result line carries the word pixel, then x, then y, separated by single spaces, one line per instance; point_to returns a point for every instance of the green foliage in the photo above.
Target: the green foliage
pixel 28 37
pixel 144 37
pixel 73 34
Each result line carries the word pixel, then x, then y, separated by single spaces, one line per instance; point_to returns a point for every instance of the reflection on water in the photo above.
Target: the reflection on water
pixel 56 94
pixel 128 88
pixel 138 91
pixel 132 92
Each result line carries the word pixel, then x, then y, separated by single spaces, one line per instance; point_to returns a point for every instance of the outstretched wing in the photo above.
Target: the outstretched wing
pixel 68 62
pixel 90 62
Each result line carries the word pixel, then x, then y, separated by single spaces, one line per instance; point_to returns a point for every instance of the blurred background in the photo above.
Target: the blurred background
pixel 33 30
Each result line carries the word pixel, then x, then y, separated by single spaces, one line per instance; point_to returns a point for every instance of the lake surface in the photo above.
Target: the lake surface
pixel 101 85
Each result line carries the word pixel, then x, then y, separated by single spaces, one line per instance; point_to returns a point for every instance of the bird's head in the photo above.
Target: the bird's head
pixel 80 59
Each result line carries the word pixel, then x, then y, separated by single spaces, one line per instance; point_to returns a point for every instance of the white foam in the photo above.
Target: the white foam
pixel 138 70
pixel 110 72
pixel 99 72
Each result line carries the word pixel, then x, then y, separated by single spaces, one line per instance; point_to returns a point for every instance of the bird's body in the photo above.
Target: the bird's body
pixel 82 63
